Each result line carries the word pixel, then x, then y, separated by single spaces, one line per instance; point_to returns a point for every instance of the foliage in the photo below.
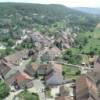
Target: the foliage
pixel 72 57
pixel 17 16
pixel 25 95
pixel 4 90
pixel 88 42
pixel 5 52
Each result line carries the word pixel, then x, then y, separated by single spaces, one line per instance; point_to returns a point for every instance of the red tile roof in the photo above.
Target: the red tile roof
pixel 81 87
pixel 19 76
pixel 58 68
pixel 22 76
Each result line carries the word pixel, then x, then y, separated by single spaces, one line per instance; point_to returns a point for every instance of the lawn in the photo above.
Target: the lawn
pixel 25 95
pixel 70 72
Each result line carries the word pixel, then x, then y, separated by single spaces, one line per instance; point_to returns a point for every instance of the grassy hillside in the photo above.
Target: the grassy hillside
pixel 88 42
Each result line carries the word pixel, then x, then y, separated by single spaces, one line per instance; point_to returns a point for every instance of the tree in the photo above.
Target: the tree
pixel 10 42
pixel 78 72
pixel 92 53
pixel 71 57
pixel 4 90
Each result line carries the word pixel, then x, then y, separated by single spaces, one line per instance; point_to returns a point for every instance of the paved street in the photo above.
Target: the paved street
pixel 38 88
pixel 12 95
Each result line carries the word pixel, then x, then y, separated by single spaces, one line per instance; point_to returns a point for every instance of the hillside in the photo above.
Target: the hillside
pixel 25 15
pixel 95 11
pixel 18 19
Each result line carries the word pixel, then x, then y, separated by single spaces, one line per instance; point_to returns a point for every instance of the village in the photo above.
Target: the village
pixel 49 52
pixel 40 71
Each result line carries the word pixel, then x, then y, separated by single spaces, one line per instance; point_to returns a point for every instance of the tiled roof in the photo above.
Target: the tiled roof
pixel 85 86
pixel 54 51
pixel 16 57
pixel 4 67
pixel 64 98
pixel 23 76
pixel 81 87
pixel 31 69
pixel 45 68
pixel 19 76
pixel 94 76
pixel 58 68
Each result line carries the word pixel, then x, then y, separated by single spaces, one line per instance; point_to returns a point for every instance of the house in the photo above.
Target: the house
pixel 31 69
pixel 56 77
pixel 18 80
pixel 81 91
pixel 40 40
pixel 93 80
pixel 4 68
pixel 17 57
pixel 40 69
pixel 88 87
pixel 63 98
pixel 45 69
pixel 64 91
pixel 51 54
pixel 62 40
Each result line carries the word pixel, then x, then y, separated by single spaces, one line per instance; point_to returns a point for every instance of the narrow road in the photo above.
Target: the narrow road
pixel 83 69
pixel 38 88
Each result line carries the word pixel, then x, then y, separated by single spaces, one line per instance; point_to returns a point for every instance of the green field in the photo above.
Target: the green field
pixel 70 72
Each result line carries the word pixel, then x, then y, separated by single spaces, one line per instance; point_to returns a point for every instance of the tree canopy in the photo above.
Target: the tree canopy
pixel 4 90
